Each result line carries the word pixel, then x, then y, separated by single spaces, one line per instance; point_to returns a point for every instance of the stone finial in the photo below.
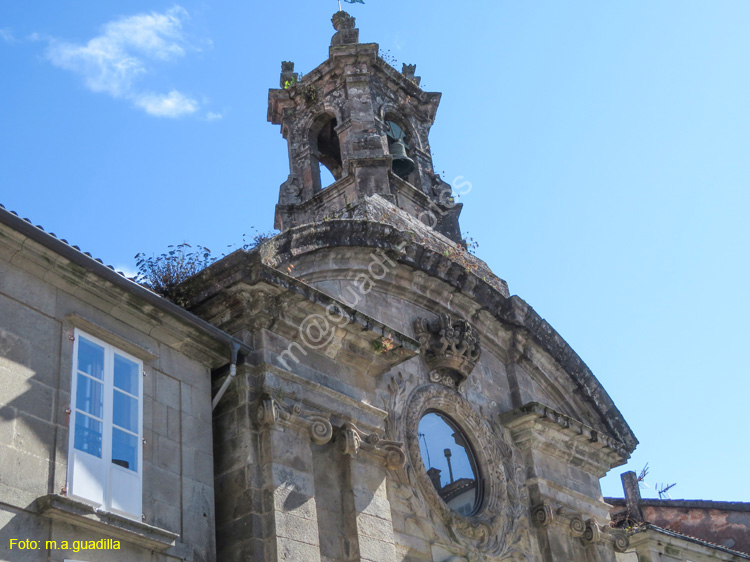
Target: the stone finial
pixel 288 76
pixel 408 71
pixel 449 347
pixel 342 20
pixel 346 33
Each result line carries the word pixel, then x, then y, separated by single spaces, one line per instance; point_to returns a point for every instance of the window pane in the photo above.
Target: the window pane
pixel 125 411
pixel 89 394
pixel 90 358
pixel 126 375
pixel 88 436
pixel 124 450
pixel 449 462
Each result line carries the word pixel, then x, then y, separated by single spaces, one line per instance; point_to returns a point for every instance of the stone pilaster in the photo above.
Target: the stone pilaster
pixel 372 538
pixel 289 510
pixel 565 460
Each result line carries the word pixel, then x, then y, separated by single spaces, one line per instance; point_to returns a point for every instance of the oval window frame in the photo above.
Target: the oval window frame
pixel 493 456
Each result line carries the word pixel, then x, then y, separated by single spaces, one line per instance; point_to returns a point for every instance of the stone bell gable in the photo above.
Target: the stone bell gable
pixel 368 124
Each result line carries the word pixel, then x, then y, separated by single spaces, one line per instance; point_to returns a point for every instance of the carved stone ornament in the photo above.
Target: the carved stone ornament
pixel 541 515
pixel 351 440
pixel 270 411
pixel 495 529
pixel 544 514
pixel 591 533
pixel 450 348
pixel 621 540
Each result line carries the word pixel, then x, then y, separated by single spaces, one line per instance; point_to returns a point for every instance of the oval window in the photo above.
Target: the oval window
pixel 449 462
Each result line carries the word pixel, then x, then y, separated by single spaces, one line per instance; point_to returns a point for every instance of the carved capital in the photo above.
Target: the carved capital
pixel 574 519
pixel 267 412
pixel 450 348
pixel 271 411
pixel 351 439
pixel 592 532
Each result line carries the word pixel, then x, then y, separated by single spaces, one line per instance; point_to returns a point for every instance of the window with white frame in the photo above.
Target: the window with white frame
pixel 105 461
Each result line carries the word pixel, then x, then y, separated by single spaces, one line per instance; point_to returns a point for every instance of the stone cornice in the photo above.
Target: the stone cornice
pixel 540 427
pixel 240 293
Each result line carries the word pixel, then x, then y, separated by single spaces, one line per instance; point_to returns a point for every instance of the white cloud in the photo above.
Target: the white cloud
pixel 7 35
pixel 173 104
pixel 126 270
pixel 115 61
pixel 211 116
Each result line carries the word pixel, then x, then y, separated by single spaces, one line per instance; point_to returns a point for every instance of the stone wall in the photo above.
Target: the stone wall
pixel 43 299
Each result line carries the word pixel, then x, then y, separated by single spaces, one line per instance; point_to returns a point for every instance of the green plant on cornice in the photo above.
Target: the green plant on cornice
pixel 309 94
pixel 293 81
pixel 165 273
pixel 383 344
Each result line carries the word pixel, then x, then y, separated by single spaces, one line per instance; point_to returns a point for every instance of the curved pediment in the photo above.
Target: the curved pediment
pixel 436 257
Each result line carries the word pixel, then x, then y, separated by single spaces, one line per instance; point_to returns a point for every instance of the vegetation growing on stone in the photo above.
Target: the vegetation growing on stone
pixel 164 274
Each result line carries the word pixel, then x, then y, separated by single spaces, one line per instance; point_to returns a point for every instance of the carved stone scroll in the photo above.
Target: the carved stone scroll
pixel 541 515
pixel 592 532
pixel 351 440
pixel 270 411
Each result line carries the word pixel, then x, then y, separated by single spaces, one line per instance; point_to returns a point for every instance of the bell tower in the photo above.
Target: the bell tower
pixel 367 124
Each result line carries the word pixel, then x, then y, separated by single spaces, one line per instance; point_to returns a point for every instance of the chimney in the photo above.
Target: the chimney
pixel 632 495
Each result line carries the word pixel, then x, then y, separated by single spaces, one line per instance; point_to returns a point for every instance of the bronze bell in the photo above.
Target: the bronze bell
pixel 402 165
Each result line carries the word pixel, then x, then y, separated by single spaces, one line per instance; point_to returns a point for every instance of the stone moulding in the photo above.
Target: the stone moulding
pixel 450 348
pixel 109 524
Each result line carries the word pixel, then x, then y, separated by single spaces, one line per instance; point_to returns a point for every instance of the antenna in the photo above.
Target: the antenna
pixel 663 490
pixel 642 475
pixel 423 438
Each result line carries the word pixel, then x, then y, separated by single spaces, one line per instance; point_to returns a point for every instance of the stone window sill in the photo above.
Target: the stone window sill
pixel 115 526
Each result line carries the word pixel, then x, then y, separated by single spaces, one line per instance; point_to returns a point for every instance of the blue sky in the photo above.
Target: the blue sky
pixel 606 144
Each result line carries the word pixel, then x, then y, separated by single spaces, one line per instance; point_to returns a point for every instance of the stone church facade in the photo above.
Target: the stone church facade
pixel 292 409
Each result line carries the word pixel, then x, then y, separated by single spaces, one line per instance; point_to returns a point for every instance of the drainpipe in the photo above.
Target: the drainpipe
pixel 230 377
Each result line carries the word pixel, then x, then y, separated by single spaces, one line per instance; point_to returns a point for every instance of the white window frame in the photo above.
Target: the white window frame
pixel 115 485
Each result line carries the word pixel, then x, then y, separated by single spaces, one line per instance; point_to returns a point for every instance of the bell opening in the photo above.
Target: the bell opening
pixel 326 151
pixel 401 164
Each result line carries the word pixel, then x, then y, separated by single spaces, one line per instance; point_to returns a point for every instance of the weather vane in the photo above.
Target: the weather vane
pixel 351 2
